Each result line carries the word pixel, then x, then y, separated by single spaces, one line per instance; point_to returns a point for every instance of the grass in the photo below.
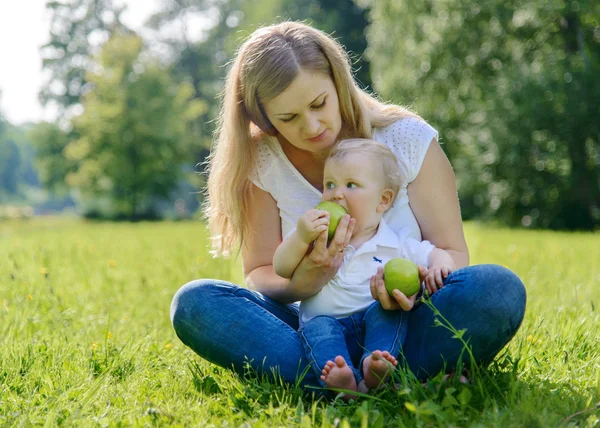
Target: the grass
pixel 86 340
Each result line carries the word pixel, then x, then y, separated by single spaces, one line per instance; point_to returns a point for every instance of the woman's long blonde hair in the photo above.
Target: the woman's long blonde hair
pixel 265 65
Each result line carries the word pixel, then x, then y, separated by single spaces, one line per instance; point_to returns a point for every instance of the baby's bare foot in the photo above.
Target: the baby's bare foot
pixel 337 374
pixel 377 367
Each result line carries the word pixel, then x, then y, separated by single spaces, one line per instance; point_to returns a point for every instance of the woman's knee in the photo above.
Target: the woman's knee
pixel 192 300
pixel 500 293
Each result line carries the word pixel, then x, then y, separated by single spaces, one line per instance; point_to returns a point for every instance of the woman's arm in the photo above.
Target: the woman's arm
pixel 263 239
pixel 434 202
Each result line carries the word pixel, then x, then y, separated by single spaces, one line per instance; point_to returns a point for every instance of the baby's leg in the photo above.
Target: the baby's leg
pixel 325 345
pixel 385 332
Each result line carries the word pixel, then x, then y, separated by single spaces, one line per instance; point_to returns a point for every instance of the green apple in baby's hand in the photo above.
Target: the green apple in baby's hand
pixel 401 274
pixel 336 212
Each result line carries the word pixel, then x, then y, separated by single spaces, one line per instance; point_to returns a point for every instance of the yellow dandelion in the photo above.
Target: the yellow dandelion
pixel 531 339
pixel 168 346
pixel 29 297
pixel 109 335
pixel 112 263
pixel 94 346
pixel 44 271
pixel 410 406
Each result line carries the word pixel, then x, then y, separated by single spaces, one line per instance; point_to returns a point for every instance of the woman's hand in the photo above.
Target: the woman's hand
pixel 399 300
pixel 322 262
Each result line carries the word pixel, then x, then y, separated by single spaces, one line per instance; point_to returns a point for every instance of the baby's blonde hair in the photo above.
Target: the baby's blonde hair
pixel 263 68
pixel 378 152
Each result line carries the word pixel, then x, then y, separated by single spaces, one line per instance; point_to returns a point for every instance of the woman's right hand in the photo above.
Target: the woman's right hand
pixel 322 262
pixel 399 300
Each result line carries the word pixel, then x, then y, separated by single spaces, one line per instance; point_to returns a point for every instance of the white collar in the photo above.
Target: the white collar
pixel 385 237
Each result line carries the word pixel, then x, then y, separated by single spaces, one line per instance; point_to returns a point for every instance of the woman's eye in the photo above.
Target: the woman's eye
pixel 288 119
pixel 317 107
pixel 351 185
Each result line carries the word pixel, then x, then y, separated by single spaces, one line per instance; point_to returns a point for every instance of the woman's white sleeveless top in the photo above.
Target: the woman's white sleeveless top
pixel 408 138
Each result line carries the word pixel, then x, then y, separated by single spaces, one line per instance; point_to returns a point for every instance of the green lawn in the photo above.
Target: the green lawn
pixel 86 340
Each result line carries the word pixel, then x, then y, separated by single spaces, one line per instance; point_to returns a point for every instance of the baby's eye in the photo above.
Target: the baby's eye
pixel 329 185
pixel 351 185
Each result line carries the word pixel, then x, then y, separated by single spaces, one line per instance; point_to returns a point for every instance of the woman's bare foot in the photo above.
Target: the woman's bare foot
pixel 337 374
pixel 377 367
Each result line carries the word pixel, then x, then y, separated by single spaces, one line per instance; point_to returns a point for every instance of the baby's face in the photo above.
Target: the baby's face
pixel 356 183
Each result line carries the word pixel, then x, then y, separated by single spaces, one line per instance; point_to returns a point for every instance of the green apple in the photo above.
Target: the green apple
pixel 336 212
pixel 403 275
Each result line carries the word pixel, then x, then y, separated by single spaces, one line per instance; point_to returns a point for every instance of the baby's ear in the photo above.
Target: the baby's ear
pixel 387 197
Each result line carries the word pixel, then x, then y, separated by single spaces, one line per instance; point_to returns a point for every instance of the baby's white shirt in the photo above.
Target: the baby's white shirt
pixel 408 138
pixel 349 290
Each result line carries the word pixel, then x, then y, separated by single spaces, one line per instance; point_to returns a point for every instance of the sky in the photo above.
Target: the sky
pixel 24 28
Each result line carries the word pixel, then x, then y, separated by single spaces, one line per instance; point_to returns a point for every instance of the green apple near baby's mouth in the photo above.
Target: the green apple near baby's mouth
pixel 401 274
pixel 336 212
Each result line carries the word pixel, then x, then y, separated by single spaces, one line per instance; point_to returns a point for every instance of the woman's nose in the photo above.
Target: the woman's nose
pixel 311 125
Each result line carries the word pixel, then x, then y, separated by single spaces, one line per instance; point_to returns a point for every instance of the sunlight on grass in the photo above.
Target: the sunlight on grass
pixel 86 340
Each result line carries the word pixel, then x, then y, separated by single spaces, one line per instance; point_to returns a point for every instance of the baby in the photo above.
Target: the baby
pixel 364 177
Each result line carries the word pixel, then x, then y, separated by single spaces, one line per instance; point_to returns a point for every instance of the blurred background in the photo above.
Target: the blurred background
pixel 107 107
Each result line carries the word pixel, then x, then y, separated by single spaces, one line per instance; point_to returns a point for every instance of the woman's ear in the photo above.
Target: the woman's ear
pixel 387 197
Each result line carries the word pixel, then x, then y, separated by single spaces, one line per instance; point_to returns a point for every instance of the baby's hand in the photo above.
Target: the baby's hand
pixel 434 280
pixel 311 224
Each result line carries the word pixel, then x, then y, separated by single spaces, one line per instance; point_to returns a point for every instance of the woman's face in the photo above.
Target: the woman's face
pixel 307 113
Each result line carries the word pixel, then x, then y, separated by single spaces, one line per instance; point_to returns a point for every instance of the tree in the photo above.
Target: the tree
pixel 132 133
pixel 49 142
pixel 77 29
pixel 511 86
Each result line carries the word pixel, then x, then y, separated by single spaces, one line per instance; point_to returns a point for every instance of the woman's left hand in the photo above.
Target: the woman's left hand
pixel 399 299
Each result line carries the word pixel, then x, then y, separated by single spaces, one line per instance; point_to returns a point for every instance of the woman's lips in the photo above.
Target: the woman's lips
pixel 318 137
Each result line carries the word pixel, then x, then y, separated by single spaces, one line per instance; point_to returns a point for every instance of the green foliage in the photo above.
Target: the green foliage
pixel 85 338
pixel 49 141
pixel 132 132
pixel 77 28
pixel 198 63
pixel 512 88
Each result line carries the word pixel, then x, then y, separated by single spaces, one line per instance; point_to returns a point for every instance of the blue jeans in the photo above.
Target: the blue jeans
pixel 231 326
pixel 353 337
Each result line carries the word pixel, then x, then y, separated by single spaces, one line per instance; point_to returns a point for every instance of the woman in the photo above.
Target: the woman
pixel 289 97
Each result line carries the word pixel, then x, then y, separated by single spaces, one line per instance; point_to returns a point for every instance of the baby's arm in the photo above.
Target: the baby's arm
pixel 441 265
pixel 293 249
